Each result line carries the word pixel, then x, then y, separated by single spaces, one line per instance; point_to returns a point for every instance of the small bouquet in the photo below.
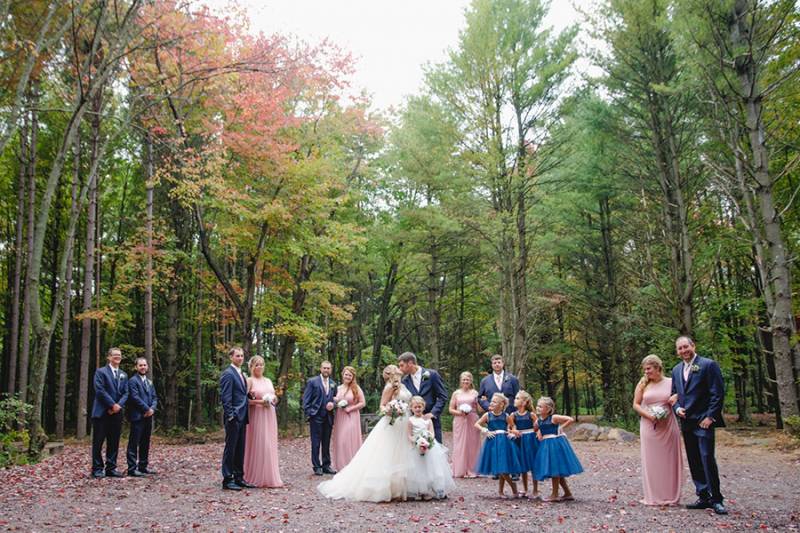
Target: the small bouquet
pixel 394 410
pixel 341 404
pixel 465 408
pixel 659 412
pixel 268 398
pixel 423 441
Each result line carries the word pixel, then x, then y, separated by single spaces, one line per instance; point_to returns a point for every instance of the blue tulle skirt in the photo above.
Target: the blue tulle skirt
pixel 556 458
pixel 528 444
pixel 499 455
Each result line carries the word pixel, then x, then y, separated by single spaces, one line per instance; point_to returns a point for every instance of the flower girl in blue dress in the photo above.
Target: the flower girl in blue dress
pixel 555 458
pixel 499 455
pixel 523 424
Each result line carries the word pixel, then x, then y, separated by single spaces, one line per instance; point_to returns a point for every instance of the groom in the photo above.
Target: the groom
pixel 428 384
pixel 318 408
pixel 698 383
pixel 233 395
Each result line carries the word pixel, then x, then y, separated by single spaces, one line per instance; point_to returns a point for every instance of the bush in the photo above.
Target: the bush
pixel 13 442
pixel 791 425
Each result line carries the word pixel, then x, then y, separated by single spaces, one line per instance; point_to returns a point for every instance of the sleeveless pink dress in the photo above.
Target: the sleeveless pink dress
pixel 346 437
pixel 261 440
pixel 662 458
pixel 466 438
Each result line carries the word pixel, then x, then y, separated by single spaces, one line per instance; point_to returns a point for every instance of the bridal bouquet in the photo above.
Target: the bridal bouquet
pixel 659 412
pixel 465 408
pixel 395 409
pixel 423 441
pixel 269 398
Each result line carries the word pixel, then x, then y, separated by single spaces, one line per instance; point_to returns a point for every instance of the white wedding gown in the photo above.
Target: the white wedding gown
pixel 379 470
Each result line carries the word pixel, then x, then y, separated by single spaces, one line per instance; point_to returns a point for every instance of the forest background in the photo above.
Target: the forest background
pixel 175 184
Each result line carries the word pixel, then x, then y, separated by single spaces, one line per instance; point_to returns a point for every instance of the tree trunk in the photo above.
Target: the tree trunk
pixel 171 361
pixel 88 280
pixel 148 289
pixel 24 353
pixel 63 366
pixel 19 253
pixel 781 317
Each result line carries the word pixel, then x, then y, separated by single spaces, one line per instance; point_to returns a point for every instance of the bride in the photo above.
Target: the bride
pixel 379 469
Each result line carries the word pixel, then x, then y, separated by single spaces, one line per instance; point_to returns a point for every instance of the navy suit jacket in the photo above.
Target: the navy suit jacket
pixel 431 389
pixel 489 387
pixel 108 391
pixel 140 399
pixel 703 394
pixel 315 399
pixel 233 395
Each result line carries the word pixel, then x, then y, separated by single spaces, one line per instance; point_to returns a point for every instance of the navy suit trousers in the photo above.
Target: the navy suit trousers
pixel 139 444
pixel 699 445
pixel 233 455
pixel 321 429
pixel 106 429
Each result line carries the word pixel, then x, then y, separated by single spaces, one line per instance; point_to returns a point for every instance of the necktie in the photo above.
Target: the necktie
pixel 498 381
pixel 325 383
pixel 686 369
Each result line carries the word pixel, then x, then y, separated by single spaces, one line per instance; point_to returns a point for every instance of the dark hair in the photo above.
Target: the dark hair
pixel 112 350
pixel 325 361
pixel 687 337
pixel 497 356
pixel 407 357
pixel 141 359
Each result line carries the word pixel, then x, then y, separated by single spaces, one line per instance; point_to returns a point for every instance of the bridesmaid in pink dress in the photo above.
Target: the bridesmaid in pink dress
pixel 261 439
pixel 346 437
pixel 466 438
pixel 660 438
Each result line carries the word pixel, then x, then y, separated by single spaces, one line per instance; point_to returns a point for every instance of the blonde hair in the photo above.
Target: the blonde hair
pixel 416 400
pixel 466 374
pixel 548 401
pixel 353 384
pixel 394 374
pixel 501 398
pixel 528 399
pixel 654 360
pixel 253 361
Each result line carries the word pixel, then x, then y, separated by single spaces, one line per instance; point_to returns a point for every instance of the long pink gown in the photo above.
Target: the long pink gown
pixel 346 437
pixel 466 438
pixel 662 458
pixel 261 440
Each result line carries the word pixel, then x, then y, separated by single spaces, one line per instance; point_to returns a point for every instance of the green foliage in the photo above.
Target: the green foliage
pixel 13 442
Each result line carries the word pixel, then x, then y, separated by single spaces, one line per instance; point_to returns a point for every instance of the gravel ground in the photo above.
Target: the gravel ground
pixel 761 484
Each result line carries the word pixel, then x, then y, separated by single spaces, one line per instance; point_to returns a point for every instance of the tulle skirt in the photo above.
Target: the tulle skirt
pixel 379 470
pixel 528 444
pixel 556 458
pixel 429 474
pixel 499 455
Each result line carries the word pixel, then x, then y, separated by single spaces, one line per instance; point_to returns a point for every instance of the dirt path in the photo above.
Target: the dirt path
pixel 762 487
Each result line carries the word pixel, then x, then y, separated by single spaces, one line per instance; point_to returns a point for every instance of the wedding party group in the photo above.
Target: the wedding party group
pixel 498 431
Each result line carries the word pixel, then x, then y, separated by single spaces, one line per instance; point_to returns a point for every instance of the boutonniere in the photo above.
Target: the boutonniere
pixel 121 375
pixel 426 376
pixel 694 368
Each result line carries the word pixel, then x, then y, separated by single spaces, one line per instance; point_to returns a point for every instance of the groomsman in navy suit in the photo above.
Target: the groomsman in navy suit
pixel 110 394
pixel 701 392
pixel 428 384
pixel 498 381
pixel 318 407
pixel 142 401
pixel 233 395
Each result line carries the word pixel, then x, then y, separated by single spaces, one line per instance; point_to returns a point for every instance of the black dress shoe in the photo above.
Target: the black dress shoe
pixel 230 485
pixel 135 473
pixel 329 470
pixel 719 508
pixel 699 504
pixel 244 484
pixel 99 474
pixel 148 471
pixel 114 473
pixel 317 471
